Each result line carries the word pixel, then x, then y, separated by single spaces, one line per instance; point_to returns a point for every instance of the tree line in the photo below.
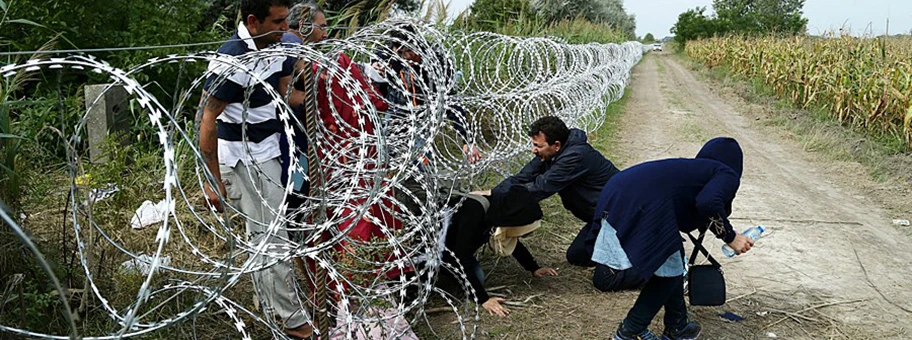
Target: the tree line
pixel 746 17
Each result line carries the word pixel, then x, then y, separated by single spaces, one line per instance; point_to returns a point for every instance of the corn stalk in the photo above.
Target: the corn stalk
pixel 863 82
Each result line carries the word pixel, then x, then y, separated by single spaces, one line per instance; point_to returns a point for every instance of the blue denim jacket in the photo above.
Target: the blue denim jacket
pixel 608 251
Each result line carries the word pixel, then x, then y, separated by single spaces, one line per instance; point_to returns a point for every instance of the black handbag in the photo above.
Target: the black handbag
pixel 706 284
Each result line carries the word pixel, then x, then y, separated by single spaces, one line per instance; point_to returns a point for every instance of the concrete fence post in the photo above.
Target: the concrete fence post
pixel 108 114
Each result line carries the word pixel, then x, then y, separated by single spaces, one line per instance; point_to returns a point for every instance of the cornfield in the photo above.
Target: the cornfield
pixel 861 82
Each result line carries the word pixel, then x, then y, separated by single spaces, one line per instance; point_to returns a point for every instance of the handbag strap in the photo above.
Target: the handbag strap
pixel 698 248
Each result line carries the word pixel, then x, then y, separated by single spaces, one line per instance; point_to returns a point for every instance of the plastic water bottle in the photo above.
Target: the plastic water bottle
pixel 753 233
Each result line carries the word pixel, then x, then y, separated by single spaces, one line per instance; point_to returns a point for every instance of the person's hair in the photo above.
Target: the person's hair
pixel 260 8
pixel 402 34
pixel 553 128
pixel 295 13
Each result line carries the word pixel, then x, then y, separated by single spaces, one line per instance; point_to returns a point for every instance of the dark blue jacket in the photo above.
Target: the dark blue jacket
pixel 577 173
pixel 651 203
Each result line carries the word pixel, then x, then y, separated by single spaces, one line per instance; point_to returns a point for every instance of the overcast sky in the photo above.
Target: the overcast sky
pixel 657 16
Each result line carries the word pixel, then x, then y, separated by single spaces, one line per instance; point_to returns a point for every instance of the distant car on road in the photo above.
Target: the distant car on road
pixel 657 47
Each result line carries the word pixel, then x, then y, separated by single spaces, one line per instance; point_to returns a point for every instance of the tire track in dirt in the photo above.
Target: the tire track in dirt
pixel 821 233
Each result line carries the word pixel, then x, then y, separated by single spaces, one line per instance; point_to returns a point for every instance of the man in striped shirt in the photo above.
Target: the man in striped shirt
pixel 239 141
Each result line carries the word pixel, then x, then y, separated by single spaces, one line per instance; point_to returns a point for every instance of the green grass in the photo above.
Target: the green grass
pixel 604 139
pixel 695 133
pixel 661 66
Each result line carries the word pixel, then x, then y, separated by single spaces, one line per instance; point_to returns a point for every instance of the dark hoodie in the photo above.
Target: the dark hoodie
pixel 651 203
pixel 577 173
pixel 472 227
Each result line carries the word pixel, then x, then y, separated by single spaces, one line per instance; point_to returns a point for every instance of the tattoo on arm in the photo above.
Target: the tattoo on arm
pixel 208 156
pixel 215 104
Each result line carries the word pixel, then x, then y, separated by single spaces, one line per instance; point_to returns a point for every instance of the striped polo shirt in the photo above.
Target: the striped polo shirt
pixel 258 119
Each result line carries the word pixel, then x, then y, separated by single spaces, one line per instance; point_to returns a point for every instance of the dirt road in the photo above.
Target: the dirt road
pixel 828 243
pixel 832 264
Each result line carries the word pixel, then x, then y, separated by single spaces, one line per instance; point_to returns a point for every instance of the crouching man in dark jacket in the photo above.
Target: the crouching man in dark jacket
pixel 565 164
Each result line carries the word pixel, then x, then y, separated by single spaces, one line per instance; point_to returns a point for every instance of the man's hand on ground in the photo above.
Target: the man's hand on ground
pixel 493 306
pixel 545 271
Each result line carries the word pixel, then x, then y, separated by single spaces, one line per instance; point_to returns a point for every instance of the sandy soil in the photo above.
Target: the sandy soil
pixel 832 264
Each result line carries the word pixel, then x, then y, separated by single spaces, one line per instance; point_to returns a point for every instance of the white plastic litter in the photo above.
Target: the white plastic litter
pixel 904 223
pixel 143 264
pixel 148 214
pixel 387 325
pixel 771 335
pixel 96 195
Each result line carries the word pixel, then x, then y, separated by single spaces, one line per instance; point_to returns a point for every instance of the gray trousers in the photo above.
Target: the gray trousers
pixel 258 190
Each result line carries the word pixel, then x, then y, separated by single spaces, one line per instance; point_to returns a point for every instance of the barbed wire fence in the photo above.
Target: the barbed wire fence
pixel 393 172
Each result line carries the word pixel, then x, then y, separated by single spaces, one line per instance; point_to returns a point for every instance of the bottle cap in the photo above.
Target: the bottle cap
pixel 761 228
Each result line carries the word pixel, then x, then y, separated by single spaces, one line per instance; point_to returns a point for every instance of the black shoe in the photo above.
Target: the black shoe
pixel 623 334
pixel 690 332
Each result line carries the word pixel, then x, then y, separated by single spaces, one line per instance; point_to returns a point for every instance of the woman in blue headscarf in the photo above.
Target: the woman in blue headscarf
pixel 639 217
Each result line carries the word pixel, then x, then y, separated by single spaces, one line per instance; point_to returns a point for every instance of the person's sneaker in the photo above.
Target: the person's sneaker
pixel 690 332
pixel 623 334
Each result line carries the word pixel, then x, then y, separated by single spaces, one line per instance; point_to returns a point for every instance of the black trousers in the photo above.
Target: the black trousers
pixel 579 254
pixel 607 279
pixel 658 292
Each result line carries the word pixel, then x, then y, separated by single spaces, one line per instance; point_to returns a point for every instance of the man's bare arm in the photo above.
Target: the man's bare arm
pixel 208 144
pixel 296 98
